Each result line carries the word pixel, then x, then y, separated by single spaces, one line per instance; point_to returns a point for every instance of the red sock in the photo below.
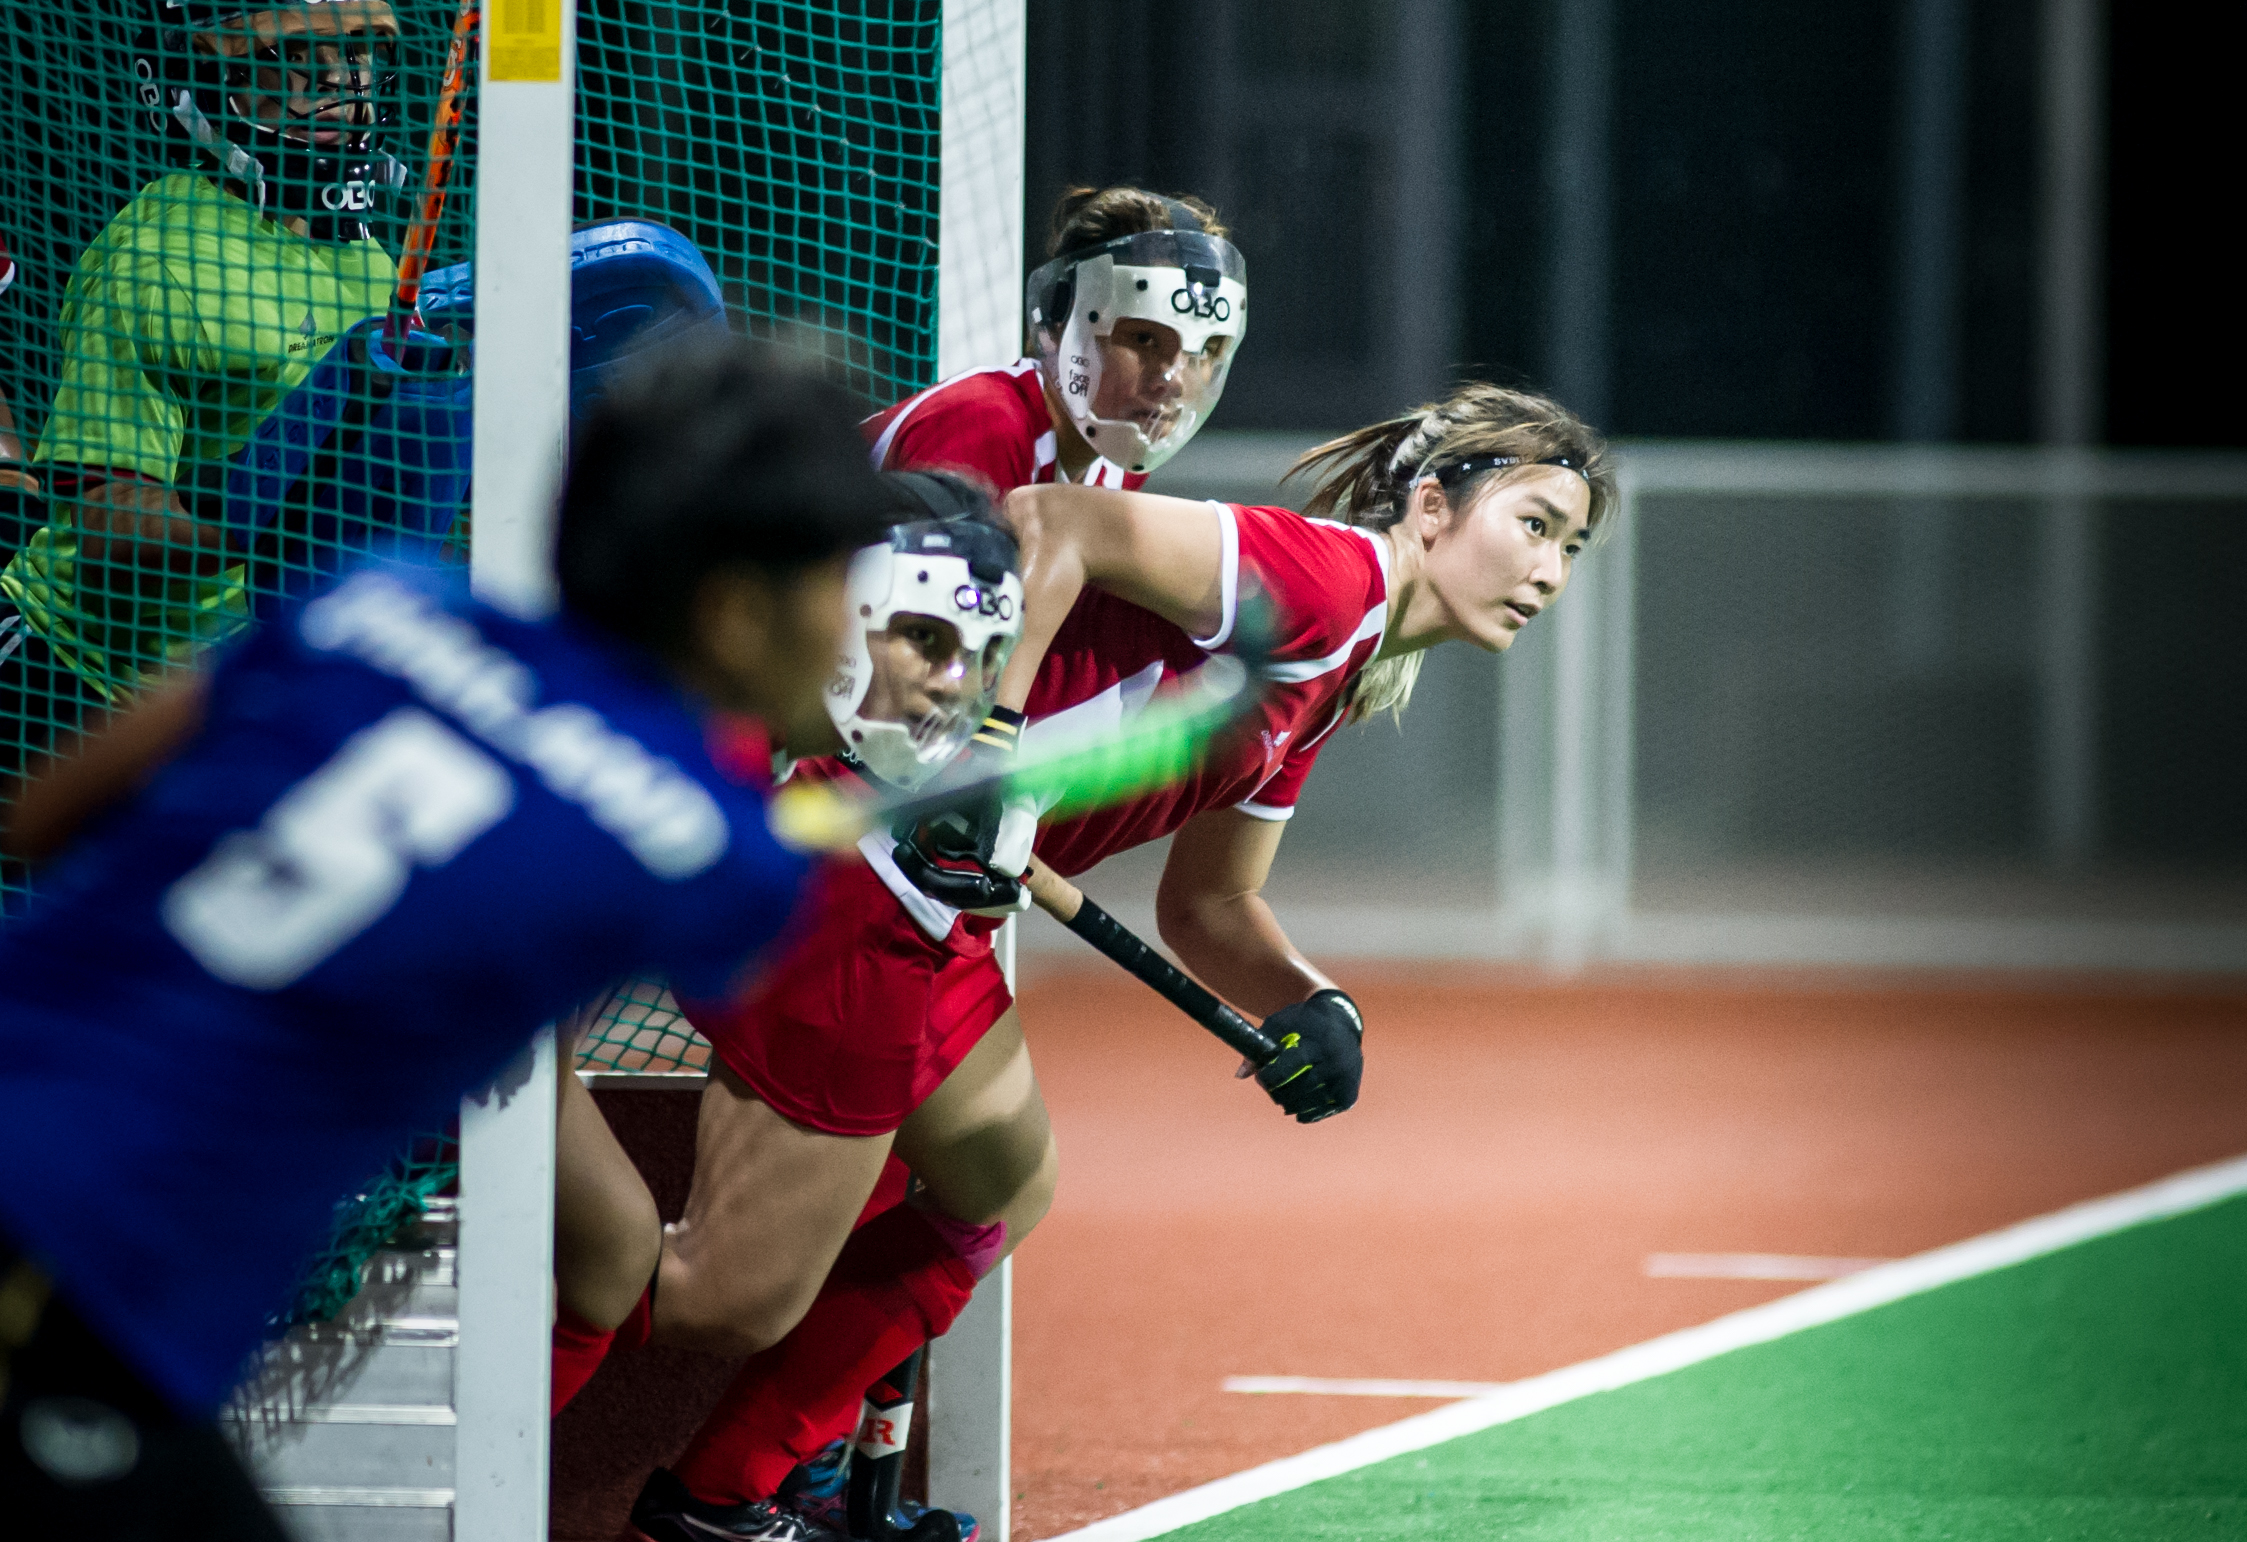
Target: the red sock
pixel 890 1188
pixel 579 1347
pixel 898 1283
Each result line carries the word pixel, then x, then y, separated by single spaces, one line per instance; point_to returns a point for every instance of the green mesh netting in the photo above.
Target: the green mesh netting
pixel 168 476
pixel 208 414
pixel 795 144
pixel 212 408
pixel 366 1222
pixel 639 1028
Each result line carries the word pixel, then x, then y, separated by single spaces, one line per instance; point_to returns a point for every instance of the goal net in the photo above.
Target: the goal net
pixel 235 362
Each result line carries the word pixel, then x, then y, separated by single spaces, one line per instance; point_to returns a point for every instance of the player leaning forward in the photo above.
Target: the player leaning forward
pixel 320 891
pixel 892 1029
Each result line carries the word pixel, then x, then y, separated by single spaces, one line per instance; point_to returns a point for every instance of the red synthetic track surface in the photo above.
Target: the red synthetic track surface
pixel 1522 1146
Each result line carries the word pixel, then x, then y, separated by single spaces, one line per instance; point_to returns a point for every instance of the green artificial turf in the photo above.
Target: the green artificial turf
pixel 2100 1392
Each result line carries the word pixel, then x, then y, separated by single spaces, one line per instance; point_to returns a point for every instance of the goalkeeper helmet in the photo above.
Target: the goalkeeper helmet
pixel 935 612
pixel 291 103
pixel 634 285
pixel 1184 279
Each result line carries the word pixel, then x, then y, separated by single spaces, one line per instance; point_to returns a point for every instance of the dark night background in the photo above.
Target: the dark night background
pixel 1754 163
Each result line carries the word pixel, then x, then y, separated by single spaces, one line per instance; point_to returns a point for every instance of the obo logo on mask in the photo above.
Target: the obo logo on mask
pixel 1197 302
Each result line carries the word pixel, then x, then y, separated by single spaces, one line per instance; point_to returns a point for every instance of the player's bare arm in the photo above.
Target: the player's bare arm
pixel 57 799
pixel 143 527
pixel 1211 910
pixel 1163 554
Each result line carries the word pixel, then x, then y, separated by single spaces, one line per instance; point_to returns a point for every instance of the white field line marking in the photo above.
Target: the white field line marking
pixel 1754 1266
pixel 2195 1189
pixel 1360 1386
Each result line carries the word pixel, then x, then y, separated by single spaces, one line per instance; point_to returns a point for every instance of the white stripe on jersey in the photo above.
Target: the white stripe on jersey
pixel 1228 577
pixel 930 915
pixel 1295 672
pixel 1372 539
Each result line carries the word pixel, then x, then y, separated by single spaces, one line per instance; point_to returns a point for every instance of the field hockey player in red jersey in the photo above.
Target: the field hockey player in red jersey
pixel 888 1027
pixel 1132 326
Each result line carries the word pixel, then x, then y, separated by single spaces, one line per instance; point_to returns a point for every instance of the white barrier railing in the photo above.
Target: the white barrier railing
pixel 1566 842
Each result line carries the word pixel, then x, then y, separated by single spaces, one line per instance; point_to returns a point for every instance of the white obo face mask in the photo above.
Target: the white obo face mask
pixel 944 571
pixel 1193 283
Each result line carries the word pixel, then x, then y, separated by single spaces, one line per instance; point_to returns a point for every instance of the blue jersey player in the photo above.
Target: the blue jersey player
pixel 298 904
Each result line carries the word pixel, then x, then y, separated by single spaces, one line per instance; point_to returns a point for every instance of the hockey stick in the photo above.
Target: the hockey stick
pixel 444 136
pixel 1068 904
pixel 1158 747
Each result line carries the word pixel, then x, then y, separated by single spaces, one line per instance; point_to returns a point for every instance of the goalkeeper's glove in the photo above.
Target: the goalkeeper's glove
pixel 972 856
pixel 1321 1059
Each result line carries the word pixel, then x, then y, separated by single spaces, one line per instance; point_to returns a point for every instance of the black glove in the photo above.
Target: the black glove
pixel 963 885
pixel 1321 1059
pixel 947 856
pixel 968 830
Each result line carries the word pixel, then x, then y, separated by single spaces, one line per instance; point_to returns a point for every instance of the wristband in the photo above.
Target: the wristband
pixel 1001 731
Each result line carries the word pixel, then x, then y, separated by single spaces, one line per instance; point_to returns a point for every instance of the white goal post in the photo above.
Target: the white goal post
pixel 506 1259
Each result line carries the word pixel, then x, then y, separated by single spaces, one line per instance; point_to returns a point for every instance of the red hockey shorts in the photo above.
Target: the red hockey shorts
pixel 859 1014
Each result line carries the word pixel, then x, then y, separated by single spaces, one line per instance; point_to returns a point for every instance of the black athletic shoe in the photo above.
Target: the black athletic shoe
pixel 666 1512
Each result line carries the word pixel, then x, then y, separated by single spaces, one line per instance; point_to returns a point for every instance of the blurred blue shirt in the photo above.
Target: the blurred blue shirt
pixel 411 831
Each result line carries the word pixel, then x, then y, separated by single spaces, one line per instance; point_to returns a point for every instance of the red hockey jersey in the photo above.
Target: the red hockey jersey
pixel 991 422
pixel 1326 589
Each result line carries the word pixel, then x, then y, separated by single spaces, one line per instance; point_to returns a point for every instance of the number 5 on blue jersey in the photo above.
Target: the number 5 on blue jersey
pixel 334 853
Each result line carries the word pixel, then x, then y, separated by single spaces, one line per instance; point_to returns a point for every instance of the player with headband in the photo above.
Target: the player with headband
pixel 1457 522
pixel 319 893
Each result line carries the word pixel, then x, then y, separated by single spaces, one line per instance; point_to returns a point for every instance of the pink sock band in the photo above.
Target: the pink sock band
pixel 979 1247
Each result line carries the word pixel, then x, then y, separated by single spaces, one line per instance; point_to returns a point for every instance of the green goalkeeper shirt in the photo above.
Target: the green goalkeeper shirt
pixel 186 322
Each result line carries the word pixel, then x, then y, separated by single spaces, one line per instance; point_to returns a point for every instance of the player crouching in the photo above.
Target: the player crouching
pixel 889 1027
pixel 935 610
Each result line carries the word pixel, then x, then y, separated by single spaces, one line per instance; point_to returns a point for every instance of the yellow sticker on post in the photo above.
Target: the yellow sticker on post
pixel 526 39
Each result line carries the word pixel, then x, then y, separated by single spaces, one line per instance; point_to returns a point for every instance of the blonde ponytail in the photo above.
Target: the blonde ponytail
pixel 1363 478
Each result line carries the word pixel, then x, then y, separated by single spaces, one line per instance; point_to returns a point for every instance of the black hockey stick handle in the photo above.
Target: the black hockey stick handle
pixel 1069 905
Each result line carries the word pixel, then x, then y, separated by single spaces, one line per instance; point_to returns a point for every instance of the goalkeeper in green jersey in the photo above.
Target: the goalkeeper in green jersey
pixel 203 305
